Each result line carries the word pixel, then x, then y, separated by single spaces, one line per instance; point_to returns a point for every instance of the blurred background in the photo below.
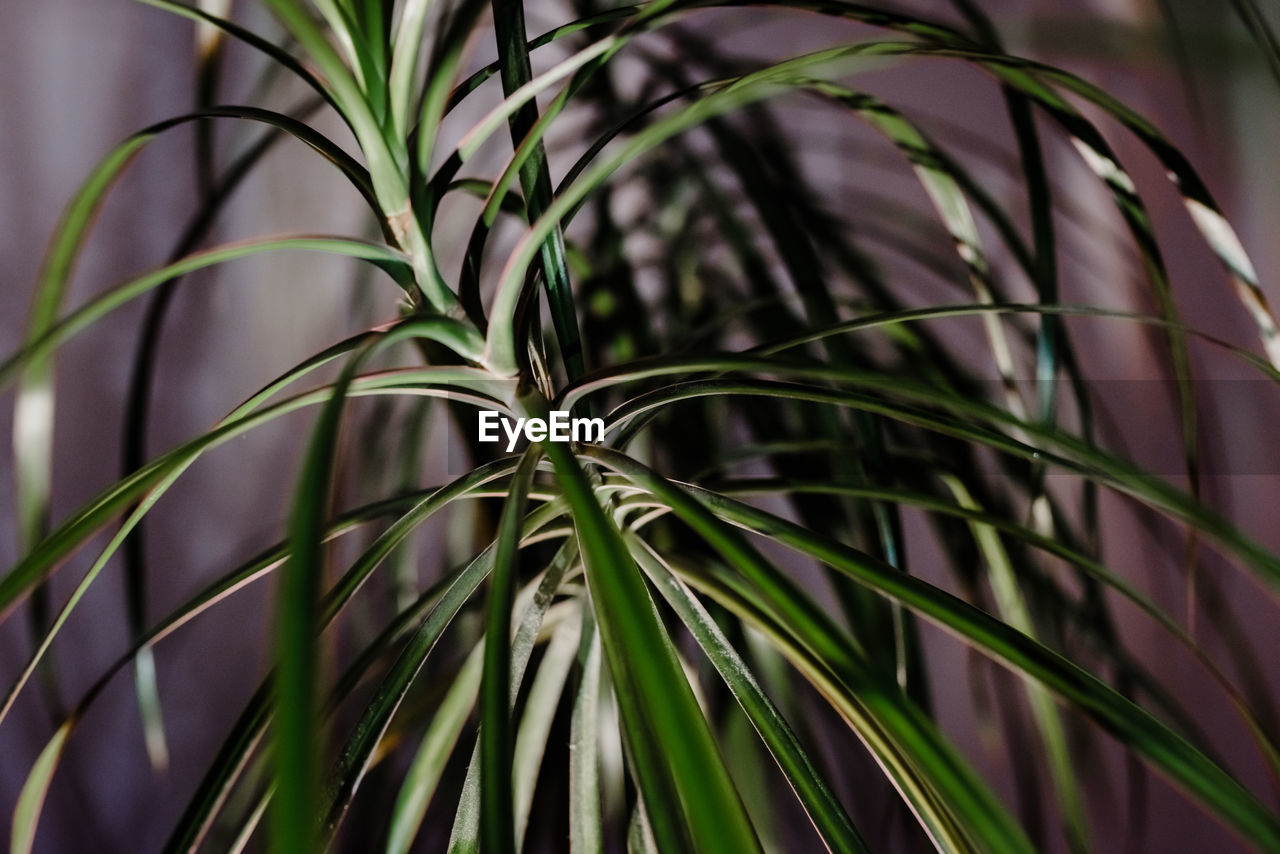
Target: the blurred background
pixel 77 77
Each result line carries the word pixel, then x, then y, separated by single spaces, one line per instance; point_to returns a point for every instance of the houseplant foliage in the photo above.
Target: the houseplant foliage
pixel 630 636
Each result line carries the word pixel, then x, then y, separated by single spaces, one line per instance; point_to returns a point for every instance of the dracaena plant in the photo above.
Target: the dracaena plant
pixel 641 648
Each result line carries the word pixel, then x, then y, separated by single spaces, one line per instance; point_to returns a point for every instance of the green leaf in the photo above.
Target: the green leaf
pixel 357 754
pixel 535 176
pixel 26 813
pixel 466 832
pixel 47 333
pixel 141 491
pixel 824 810
pixel 1013 609
pixel 677 766
pixel 404 64
pixel 424 774
pixel 1158 745
pixel 213 594
pixel 965 420
pixel 497 807
pixel 539 714
pixel 585 832
pixel 296 740
pixel 501 345
pixel 948 797
pixel 76 531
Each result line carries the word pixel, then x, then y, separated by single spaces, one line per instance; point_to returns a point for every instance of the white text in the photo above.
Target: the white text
pixel 558 428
